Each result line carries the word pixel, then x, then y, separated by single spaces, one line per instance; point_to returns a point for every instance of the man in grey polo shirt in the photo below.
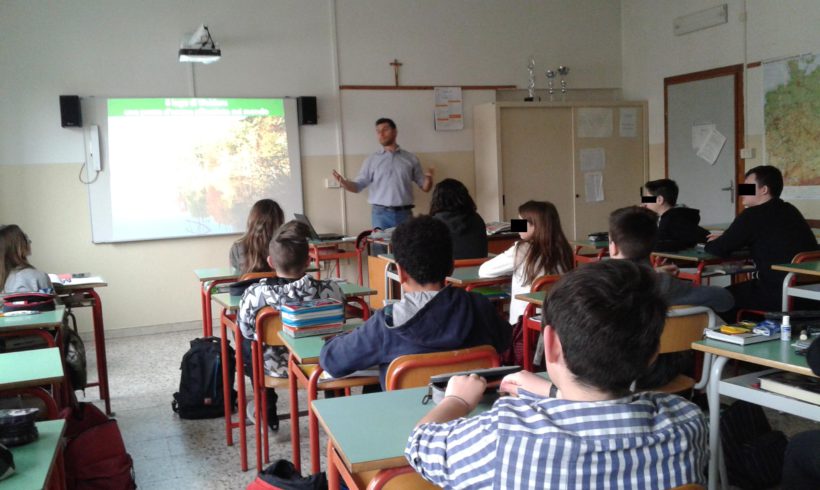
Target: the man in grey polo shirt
pixel 390 174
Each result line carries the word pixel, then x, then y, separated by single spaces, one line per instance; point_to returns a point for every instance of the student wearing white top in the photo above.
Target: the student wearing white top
pixel 543 249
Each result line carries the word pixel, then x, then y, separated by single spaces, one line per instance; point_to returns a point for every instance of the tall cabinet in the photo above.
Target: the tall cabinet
pixel 587 158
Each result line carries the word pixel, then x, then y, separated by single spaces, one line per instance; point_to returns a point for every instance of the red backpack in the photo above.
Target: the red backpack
pixel 95 456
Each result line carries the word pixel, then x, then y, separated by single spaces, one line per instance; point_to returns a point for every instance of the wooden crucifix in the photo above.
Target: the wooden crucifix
pixel 395 64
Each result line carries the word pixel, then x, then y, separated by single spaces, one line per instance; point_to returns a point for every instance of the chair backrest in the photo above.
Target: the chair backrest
pixel 684 325
pixel 257 275
pixel 361 243
pixel 401 478
pixel 544 283
pixel 469 262
pixel 414 370
pixel 268 324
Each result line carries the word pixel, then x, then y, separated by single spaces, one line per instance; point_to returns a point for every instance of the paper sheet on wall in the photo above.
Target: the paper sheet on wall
pixel 449 113
pixel 699 134
pixel 592 159
pixel 628 125
pixel 710 151
pixel 594 122
pixel 594 186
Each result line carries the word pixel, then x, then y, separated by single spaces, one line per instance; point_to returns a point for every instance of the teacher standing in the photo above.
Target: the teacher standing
pixel 390 174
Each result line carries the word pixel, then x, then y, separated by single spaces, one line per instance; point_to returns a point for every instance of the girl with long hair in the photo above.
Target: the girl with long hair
pixel 17 275
pixel 543 249
pixel 250 253
pixel 453 205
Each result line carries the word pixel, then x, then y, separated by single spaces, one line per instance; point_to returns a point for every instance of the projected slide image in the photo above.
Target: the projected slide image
pixel 189 167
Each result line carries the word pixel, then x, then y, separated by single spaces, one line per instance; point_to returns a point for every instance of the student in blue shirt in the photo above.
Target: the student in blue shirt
pixel 584 429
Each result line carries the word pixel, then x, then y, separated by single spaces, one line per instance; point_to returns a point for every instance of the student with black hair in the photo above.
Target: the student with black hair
pixel 677 225
pixel 430 317
pixel 453 205
pixel 582 429
pixel 773 230
pixel 632 233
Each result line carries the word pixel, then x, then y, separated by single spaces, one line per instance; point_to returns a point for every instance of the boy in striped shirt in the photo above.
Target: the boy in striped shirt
pixel 601 324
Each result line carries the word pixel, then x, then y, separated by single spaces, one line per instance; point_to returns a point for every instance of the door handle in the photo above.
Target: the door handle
pixel 731 190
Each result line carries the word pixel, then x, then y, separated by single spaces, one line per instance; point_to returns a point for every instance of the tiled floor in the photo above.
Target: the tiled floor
pixel 168 452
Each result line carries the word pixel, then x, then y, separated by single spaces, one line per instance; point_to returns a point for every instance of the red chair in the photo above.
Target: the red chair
pixel 530 326
pixel 318 253
pixel 361 247
pixel 41 394
pixel 229 321
pixel 588 258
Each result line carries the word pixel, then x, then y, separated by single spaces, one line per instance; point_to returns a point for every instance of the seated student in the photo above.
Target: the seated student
pixel 584 429
pixel 250 252
pixel 453 205
pixel 429 318
pixel 774 230
pixel 288 255
pixel 17 275
pixel 632 233
pixel 678 225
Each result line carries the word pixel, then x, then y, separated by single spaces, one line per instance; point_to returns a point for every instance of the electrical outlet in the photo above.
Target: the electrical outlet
pixel 747 153
pixel 331 184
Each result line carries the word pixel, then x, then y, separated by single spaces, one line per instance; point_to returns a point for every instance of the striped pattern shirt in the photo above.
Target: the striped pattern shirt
pixel 643 441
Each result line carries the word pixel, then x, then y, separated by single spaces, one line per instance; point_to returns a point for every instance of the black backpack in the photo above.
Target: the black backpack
pixel 200 385
pixel 753 452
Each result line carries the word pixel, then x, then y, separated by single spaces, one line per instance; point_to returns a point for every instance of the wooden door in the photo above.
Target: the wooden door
pixel 536 149
pixel 623 169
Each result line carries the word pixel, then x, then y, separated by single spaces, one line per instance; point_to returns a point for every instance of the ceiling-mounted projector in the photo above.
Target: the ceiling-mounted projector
pixel 199 48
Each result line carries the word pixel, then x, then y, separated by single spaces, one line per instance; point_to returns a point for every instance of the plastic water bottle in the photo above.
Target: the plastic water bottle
pixel 786 329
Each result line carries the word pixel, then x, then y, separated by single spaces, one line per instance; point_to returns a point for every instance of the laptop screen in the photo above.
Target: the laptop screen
pixel 304 219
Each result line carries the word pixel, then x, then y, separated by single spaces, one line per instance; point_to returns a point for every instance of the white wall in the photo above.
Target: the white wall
pixel 270 48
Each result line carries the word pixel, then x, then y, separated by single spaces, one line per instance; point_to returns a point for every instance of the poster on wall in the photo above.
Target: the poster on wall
pixel 449 112
pixel 792 123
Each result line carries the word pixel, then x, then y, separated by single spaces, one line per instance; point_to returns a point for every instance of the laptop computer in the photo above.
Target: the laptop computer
pixel 317 236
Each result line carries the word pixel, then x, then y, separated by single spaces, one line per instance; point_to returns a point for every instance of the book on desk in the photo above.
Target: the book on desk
pixel 793 385
pixel 739 339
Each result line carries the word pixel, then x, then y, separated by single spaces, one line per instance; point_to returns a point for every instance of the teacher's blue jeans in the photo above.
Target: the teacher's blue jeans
pixel 384 218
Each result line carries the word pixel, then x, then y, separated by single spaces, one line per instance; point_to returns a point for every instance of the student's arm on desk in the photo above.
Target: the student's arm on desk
pixel 737 236
pixel 434 445
pixel 360 349
pixel 680 292
pixel 500 265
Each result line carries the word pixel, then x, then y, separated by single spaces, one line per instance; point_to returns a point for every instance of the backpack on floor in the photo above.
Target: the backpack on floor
pixel 753 452
pixel 95 455
pixel 282 475
pixel 200 384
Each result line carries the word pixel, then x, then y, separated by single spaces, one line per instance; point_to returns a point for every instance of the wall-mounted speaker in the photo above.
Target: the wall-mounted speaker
pixel 307 110
pixel 70 114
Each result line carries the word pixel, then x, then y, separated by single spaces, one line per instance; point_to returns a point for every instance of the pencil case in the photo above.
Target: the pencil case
pixel 767 327
pixel 28 302
pixel 438 383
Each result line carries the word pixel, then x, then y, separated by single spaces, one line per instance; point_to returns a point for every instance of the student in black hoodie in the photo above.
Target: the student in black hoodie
pixel 431 317
pixel 774 230
pixel 678 226
pixel 453 205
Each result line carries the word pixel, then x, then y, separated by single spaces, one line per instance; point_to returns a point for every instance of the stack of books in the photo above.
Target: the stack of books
pixel 797 386
pixel 315 317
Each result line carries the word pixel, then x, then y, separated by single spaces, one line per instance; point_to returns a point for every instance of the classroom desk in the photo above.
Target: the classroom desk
pixel 388 419
pixel 808 291
pixel 599 249
pixel 24 369
pixel 704 260
pixel 468 278
pixel 304 369
pixel 329 250
pixel 40 463
pixel 36 324
pixel 230 304
pixel 723 226
pixel 536 298
pixel 29 369
pixel 87 295
pixel 772 354
pixel 208 279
